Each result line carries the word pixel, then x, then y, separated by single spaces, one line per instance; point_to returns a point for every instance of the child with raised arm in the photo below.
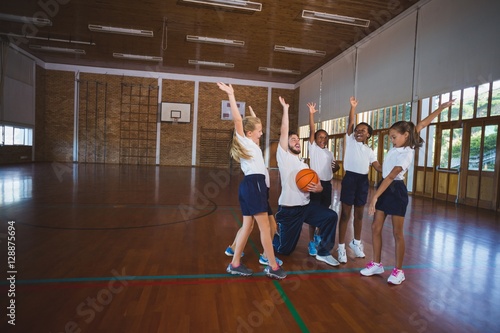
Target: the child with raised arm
pixel 272 222
pixel 253 193
pixel 354 192
pixel 320 160
pixel 391 197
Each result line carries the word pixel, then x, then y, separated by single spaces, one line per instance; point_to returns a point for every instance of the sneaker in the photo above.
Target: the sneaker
pixel 342 256
pixel 275 274
pixel 328 259
pixel 397 276
pixel 240 270
pixel 229 252
pixel 317 240
pixel 358 249
pixel 312 249
pixel 372 268
pixel 264 261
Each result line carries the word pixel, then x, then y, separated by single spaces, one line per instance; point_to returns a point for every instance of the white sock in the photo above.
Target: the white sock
pixel 341 246
pixel 356 241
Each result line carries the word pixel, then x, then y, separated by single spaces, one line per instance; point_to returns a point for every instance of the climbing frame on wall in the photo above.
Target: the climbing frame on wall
pixel 138 119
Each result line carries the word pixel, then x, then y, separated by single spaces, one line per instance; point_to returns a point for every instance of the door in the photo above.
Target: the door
pixel 448 162
pixel 480 167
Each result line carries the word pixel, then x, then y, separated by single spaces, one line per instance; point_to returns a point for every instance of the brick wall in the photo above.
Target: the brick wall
pixel 106 134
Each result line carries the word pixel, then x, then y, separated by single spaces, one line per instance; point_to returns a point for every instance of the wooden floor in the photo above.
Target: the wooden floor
pixel 108 248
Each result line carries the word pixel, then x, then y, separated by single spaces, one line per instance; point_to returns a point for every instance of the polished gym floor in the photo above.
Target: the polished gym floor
pixel 121 248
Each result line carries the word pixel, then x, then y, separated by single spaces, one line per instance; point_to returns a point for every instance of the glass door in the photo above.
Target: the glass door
pixel 480 171
pixel 449 160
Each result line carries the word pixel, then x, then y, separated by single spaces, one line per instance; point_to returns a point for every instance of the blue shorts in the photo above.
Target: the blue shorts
pixel 323 198
pixel 394 200
pixel 254 195
pixel 354 189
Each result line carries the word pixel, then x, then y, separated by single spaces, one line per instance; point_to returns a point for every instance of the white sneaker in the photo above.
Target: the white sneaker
pixel 358 249
pixel 372 268
pixel 397 276
pixel 342 256
pixel 328 259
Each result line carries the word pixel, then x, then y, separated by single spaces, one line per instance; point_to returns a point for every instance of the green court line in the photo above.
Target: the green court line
pixel 283 295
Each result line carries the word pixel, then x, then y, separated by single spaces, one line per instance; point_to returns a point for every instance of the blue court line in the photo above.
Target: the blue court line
pixel 203 276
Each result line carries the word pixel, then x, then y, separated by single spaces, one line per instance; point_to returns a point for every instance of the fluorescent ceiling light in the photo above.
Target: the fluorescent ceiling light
pixel 279 70
pixel 137 57
pixel 335 18
pixel 298 50
pixel 121 31
pixel 211 63
pixel 238 4
pixel 56 49
pixel 212 40
pixel 50 39
pixel 23 19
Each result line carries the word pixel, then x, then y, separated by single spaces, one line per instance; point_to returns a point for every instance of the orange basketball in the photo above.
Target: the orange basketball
pixel 304 177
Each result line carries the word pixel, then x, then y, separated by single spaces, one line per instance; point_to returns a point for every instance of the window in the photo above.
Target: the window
pixel 16 135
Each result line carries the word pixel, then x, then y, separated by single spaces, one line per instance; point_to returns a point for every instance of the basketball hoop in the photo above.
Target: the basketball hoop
pixel 175 115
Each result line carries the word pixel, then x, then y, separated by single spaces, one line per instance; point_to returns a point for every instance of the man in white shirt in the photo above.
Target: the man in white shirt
pixel 294 205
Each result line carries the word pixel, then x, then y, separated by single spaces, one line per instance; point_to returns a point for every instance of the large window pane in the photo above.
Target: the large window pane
pixel 468 103
pixel 474 148
pixel 482 100
pixel 408 111
pixel 456 148
pixel 455 108
pixel 9 135
pixel 444 115
pixel 445 149
pixel 18 136
pixel 495 99
pixel 489 151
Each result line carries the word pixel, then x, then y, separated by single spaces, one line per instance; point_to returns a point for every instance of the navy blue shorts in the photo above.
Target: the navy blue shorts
pixel 394 200
pixel 253 195
pixel 354 189
pixel 323 198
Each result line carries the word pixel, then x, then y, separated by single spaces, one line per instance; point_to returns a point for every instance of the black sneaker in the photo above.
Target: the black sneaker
pixel 240 270
pixel 275 274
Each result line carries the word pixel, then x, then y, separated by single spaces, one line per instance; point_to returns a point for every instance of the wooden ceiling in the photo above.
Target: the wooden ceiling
pixel 278 23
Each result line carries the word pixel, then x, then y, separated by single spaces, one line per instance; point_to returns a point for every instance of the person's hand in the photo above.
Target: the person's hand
pixel 447 104
pixel 312 107
pixel 314 187
pixel 227 88
pixel 283 103
pixel 371 206
pixel 353 101
pixel 251 111
pixel 335 166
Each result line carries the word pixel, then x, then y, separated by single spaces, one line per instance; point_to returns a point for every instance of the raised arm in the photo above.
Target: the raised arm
pixel 352 115
pixel 312 111
pixel 284 125
pixel 251 111
pixel 427 120
pixel 238 121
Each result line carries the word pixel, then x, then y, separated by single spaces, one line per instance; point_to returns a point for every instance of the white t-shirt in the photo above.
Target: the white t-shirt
pixel 256 164
pixel 321 161
pixel 289 164
pixel 358 156
pixel 402 157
